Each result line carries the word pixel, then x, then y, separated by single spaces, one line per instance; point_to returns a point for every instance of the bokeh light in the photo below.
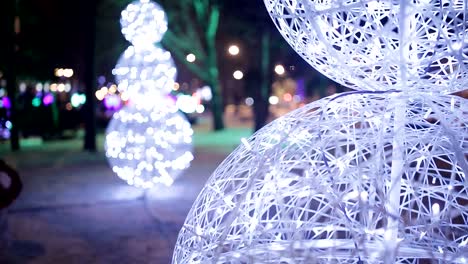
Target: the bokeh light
pixel 148 70
pixel 238 75
pixel 191 57
pixel 234 50
pixel 146 147
pixel 143 23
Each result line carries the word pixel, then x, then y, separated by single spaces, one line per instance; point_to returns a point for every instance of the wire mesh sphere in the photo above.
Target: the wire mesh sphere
pixel 146 147
pixel 320 185
pixel 149 70
pixel 143 22
pixel 377 44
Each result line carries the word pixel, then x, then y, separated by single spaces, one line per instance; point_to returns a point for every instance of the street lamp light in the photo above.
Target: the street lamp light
pixel 67 73
pixel 279 69
pixel 238 75
pixel 234 50
pixel 191 58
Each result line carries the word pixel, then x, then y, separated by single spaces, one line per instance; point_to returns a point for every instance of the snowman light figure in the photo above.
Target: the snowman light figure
pixel 372 176
pixel 148 142
pixel 144 69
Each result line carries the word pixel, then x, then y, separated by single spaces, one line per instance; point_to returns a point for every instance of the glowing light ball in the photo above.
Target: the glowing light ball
pixel 325 184
pixel 112 102
pixel 48 99
pixel 187 103
pixel 143 22
pixel 377 44
pixel 148 70
pixel 6 103
pixel 149 146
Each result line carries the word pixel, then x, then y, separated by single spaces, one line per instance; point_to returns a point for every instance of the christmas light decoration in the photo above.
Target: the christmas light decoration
pixel 147 142
pixel 149 146
pixel 316 186
pixel 372 42
pixel 376 175
pixel 143 23
pixel 145 70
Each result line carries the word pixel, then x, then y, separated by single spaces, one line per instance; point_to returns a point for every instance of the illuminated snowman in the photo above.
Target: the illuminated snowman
pixel 148 142
pixel 144 68
pixel 374 176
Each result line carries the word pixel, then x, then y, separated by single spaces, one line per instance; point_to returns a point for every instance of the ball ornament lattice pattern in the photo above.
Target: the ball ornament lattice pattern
pixel 377 44
pixel 324 184
pixel 143 22
pixel 146 147
pixel 147 70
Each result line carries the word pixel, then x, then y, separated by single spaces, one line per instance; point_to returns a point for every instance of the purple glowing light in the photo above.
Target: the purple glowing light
pixel 6 102
pixel 48 99
pixel 112 102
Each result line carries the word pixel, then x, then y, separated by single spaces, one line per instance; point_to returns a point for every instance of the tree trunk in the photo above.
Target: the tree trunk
pixel 217 106
pixel 89 11
pixel 216 103
pixel 261 106
pixel 11 72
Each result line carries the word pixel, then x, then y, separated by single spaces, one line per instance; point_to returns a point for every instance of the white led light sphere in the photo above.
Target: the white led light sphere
pixel 380 44
pixel 149 146
pixel 145 70
pixel 143 22
pixel 319 185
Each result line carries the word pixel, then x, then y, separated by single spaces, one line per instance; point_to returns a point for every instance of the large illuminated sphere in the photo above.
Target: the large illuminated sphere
pixel 143 22
pixel 148 70
pixel 316 186
pixel 149 146
pixel 378 44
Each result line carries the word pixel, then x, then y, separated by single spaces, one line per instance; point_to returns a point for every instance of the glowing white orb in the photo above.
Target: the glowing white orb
pixel 205 93
pixel 378 44
pixel 143 23
pixel 149 146
pixel 145 70
pixel 279 69
pixel 191 57
pixel 274 100
pixel 249 101
pixel 187 103
pixel 234 50
pixel 238 75
pixel 325 184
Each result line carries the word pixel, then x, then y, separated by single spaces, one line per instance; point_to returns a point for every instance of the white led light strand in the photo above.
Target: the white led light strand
pixel 144 68
pixel 313 187
pixel 149 146
pixel 362 39
pixel 372 176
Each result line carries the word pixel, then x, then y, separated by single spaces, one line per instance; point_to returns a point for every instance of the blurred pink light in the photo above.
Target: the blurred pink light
pixel 6 102
pixel 48 99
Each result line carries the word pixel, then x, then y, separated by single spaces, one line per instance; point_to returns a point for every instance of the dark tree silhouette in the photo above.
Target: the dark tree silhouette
pixel 89 10
pixel 193 27
pixel 8 17
pixel 265 45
